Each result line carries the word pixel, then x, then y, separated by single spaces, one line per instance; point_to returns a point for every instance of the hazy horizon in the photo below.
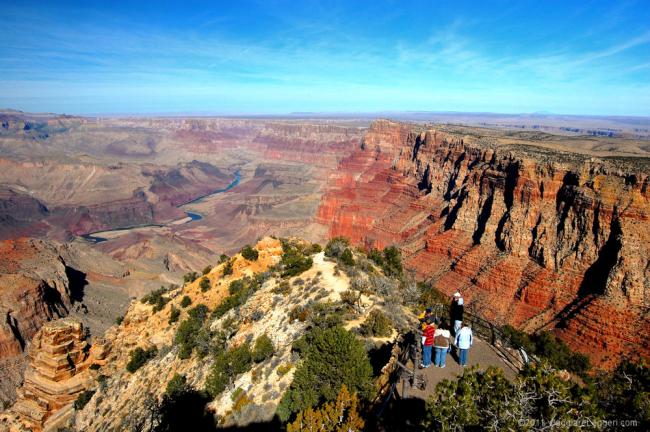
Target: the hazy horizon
pixel 276 58
pixel 405 114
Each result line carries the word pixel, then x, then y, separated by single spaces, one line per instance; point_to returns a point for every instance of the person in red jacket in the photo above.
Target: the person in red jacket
pixel 427 343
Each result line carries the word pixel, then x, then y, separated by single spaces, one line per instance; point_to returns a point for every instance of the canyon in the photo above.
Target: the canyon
pixel 534 236
pixel 123 399
pixel 537 230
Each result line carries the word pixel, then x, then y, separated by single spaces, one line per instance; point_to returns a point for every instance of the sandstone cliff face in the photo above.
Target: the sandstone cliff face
pixel 533 237
pixel 34 289
pixel 59 358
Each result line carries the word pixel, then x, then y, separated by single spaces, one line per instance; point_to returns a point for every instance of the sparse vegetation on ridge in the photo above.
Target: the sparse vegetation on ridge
pixel 249 253
pixel 331 357
pixel 227 365
pixel 140 356
pixel 377 324
pixel 262 349
pixel 189 331
pixel 390 260
pixel 190 277
pixel 240 290
pixel 174 314
pixel 336 246
pixel 157 299
pixel 186 301
pixel 227 268
pixel 294 261
pixel 204 285
pixel 347 258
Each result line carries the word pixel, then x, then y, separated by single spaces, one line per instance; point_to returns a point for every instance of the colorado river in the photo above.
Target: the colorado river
pixel 191 216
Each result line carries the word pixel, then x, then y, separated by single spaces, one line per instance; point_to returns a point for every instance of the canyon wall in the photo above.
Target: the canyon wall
pixel 34 288
pixel 20 214
pixel 534 237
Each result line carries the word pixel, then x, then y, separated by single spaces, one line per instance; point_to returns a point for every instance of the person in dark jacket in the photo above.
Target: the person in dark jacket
pixel 456 311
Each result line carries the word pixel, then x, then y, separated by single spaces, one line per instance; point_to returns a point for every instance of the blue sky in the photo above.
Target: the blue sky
pixel 244 57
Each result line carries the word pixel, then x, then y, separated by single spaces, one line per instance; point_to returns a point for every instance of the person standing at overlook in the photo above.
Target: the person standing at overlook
pixel 427 343
pixel 464 340
pixel 456 311
pixel 424 316
pixel 441 344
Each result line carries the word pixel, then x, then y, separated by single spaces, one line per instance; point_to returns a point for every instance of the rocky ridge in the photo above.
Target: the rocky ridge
pixel 43 280
pixel 123 400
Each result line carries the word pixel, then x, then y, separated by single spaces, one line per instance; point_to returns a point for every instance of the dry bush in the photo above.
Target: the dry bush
pixel 351 298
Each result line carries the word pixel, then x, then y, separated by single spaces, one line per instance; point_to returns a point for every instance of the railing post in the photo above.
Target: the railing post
pixel 416 362
pixel 493 334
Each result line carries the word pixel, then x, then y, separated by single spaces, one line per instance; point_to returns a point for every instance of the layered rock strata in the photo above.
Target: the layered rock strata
pixel 58 371
pixel 34 288
pixel 534 237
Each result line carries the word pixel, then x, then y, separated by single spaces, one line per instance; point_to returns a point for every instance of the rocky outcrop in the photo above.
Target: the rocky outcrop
pixel 34 288
pixel 58 371
pixel 534 237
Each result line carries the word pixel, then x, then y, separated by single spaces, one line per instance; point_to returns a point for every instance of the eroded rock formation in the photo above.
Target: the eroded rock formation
pixel 58 371
pixel 34 288
pixel 534 237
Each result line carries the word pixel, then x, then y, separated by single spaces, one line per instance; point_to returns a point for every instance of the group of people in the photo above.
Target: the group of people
pixel 440 338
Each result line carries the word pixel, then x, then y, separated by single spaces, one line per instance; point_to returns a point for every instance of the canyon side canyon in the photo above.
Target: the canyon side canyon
pixel 540 231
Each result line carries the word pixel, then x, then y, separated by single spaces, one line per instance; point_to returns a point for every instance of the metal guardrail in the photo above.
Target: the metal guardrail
pixel 409 350
pixel 493 334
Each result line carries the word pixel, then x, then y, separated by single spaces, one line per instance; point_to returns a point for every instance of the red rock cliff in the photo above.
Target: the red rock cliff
pixel 34 289
pixel 537 238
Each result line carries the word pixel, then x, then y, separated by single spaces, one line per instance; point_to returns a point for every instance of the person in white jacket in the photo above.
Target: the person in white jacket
pixel 464 340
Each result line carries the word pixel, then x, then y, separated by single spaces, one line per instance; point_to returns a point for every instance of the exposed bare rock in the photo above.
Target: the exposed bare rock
pixel 34 288
pixel 535 237
pixel 59 358
pixel 44 280
pixel 20 214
